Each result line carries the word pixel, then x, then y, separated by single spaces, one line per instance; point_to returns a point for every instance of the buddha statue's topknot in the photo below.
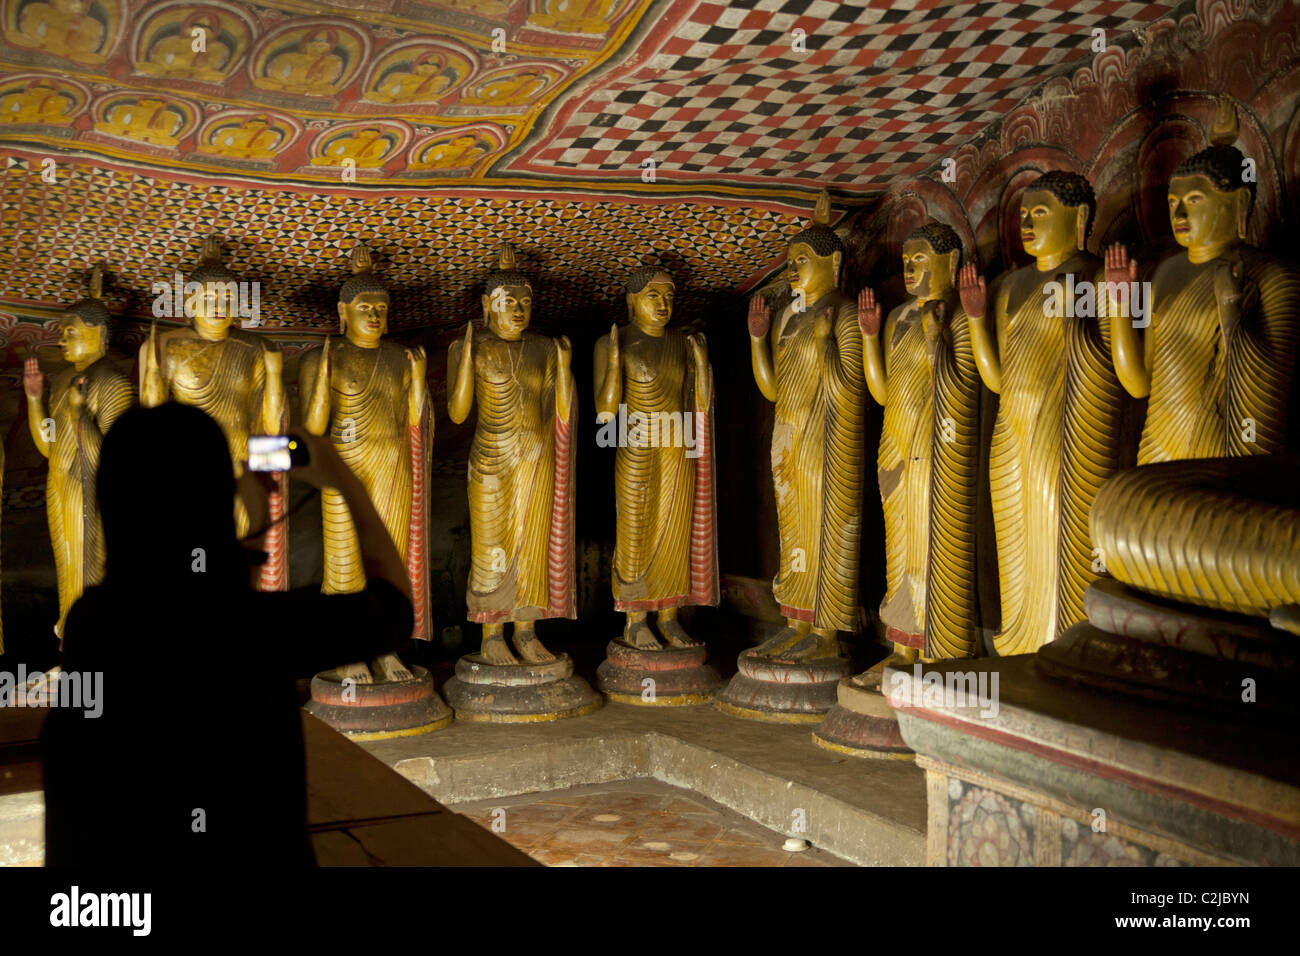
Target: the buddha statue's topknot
pixel 506 274
pixel 363 277
pixel 210 267
pixel 819 236
pixel 1220 162
pixel 91 310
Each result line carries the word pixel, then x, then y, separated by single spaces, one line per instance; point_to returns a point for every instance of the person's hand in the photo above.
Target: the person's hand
pixel 973 292
pixel 760 317
pixel 33 380
pixel 868 313
pixel 324 468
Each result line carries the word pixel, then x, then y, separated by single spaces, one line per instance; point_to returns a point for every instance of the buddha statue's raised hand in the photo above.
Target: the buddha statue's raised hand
pixel 973 292
pixel 700 351
pixel 563 376
pixel 868 313
pixel 33 379
pixel 419 379
pixel 760 317
pixel 1228 293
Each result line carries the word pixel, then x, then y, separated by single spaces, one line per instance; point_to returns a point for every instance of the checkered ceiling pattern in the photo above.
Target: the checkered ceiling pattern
pixel 885 89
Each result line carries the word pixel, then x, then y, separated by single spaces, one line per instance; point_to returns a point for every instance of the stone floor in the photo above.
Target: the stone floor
pixel 635 823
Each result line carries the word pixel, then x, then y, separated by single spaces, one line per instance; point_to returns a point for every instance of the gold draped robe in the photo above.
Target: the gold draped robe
pixel 1055 440
pixel 817 462
pixel 520 484
pixel 75 531
pixel 928 463
pixel 664 553
pixel 1201 393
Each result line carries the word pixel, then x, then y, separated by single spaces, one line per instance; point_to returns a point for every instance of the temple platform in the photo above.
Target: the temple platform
pixel 1062 774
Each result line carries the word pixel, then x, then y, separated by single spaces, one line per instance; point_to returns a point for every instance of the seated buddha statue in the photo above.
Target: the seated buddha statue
pixel 365 147
pixel 176 55
pixel 61 27
pixel 516 90
pixel 1057 433
pixel 458 153
pixel 573 16
pixel 38 102
pixel 1216 359
pixel 424 82
pixel 252 139
pixel 310 69
pixel 148 119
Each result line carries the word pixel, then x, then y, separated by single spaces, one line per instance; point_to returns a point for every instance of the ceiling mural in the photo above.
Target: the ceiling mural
pixel 785 95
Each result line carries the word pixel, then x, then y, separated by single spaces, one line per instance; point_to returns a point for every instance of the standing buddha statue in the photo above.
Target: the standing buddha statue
pixel 369 396
pixel 1217 357
pixel 520 468
pixel 1057 433
pixel 84 401
pixel 235 376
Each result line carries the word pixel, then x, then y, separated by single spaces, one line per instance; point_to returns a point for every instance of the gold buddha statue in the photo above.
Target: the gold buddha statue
pixel 809 363
pixel 84 401
pixel 1056 437
pixel 573 16
pixel 366 147
pixel 1217 356
pixel 520 467
pixel 38 102
pixel 254 138
pixel 459 152
pixel 515 90
pixel 921 368
pixel 233 375
pixel 175 55
pixel 313 68
pixel 368 395
pixel 147 119
pixel 61 27
pixel 663 474
pixel 424 82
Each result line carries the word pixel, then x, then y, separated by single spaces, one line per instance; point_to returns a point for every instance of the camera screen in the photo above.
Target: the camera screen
pixel 269 452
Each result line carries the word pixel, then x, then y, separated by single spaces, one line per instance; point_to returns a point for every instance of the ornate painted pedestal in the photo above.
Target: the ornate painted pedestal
pixel 518 693
pixel 862 724
pixel 379 710
pixel 1054 773
pixel 671 677
pixel 782 692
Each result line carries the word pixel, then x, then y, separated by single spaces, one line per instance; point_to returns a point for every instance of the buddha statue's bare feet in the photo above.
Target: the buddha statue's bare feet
pixel 811 647
pixel 530 649
pixel 358 673
pixel 786 637
pixel 495 650
pixel 639 635
pixel 389 667
pixel 675 634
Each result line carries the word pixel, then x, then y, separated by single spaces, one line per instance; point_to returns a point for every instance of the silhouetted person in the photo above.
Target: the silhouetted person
pixel 200 719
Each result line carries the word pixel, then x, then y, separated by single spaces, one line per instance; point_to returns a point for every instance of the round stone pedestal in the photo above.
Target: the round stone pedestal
pixel 782 691
pixel 379 710
pixel 681 677
pixel 518 693
pixel 862 724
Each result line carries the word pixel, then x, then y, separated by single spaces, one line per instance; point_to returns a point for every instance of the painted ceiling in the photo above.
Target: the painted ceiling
pixel 595 134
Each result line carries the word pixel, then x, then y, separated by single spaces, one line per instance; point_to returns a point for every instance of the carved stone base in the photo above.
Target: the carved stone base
pixel 862 724
pixel 380 710
pixel 518 693
pixel 782 692
pixel 1177 654
pixel 681 675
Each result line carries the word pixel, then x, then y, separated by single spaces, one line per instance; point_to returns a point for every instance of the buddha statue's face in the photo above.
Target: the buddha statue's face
pixel 365 318
pixel 78 341
pixel 426 69
pixel 1048 227
pixel 1200 214
pixel 926 273
pixel 69 7
pixel 652 307
pixel 508 309
pixel 318 46
pixel 809 273
pixel 211 309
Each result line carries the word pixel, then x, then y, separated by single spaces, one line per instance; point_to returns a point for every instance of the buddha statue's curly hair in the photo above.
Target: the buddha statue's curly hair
pixel 942 238
pixel 639 279
pixel 1070 189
